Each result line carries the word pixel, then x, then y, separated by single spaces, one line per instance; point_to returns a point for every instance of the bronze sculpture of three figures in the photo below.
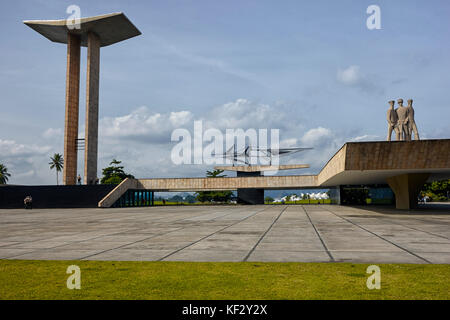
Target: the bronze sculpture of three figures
pixel 401 121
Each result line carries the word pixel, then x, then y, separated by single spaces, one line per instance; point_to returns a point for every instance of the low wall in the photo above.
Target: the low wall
pixel 84 196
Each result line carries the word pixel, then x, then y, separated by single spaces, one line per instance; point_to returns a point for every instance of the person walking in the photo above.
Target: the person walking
pixel 28 202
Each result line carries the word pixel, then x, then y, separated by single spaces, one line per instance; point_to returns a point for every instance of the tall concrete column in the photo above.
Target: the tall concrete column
pixel 92 88
pixel 406 188
pixel 72 103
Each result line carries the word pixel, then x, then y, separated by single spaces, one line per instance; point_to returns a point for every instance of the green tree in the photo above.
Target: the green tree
pixel 268 199
pixel 57 163
pixel 216 196
pixel 176 198
pixel 114 174
pixel 437 190
pixel 4 174
pixel 190 199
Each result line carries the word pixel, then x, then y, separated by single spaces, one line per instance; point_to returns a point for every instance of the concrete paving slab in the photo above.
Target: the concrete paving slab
pixel 42 244
pixel 375 257
pixel 262 255
pixel 130 255
pixel 437 257
pixel 228 233
pixel 93 245
pixel 6 253
pixel 55 254
pixel 157 245
pixel 208 255
pixel 291 246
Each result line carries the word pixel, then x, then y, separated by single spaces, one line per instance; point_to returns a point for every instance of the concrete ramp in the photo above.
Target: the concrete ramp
pixel 118 191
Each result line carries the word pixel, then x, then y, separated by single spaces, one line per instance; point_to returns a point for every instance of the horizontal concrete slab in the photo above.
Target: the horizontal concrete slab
pixel 309 233
pixel 110 28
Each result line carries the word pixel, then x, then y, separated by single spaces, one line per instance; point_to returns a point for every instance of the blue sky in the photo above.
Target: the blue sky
pixel 310 68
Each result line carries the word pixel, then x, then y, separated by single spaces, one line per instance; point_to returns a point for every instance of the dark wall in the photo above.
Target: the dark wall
pixel 250 196
pixel 84 196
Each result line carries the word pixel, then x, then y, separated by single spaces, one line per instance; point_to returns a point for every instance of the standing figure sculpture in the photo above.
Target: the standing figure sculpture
pixel 402 114
pixel 411 123
pixel 392 120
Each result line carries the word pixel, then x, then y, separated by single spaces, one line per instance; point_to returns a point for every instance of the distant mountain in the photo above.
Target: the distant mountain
pixel 277 194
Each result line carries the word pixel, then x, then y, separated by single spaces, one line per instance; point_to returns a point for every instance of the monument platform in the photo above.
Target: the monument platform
pixel 404 165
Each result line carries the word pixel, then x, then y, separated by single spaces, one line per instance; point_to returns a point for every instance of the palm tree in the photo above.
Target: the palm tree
pixel 56 162
pixel 4 175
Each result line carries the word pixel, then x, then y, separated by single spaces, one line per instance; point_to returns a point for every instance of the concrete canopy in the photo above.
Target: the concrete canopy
pixel 110 28
pixel 256 168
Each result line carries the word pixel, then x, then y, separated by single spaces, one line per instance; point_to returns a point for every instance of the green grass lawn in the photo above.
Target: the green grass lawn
pixel 190 280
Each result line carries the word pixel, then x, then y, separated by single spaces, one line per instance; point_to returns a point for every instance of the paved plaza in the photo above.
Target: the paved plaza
pixel 310 233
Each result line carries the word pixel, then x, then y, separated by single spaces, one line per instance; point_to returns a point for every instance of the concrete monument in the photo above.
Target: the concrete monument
pixel 93 33
pixel 411 123
pixel 402 114
pixel 392 120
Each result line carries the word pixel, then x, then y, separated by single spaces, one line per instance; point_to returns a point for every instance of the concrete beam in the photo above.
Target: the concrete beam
pixel 72 104
pixel 259 168
pixel 406 188
pixel 228 183
pixel 91 126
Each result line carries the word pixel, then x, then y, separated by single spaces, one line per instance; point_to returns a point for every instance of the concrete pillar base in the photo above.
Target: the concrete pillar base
pixel 406 188
pixel 250 196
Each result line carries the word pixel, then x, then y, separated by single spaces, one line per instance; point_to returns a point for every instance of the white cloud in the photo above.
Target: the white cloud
pixel 245 114
pixel 350 75
pixel 353 77
pixel 9 148
pixel 27 164
pixel 316 136
pixel 144 125
pixel 52 133
pixel 366 137
pixel 180 118
pixel 141 139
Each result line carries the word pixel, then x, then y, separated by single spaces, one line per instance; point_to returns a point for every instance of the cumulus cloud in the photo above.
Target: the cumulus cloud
pixel 10 148
pixel 352 76
pixel 245 114
pixel 52 133
pixel 316 136
pixel 153 127
pixel 144 125
pixel 366 137
pixel 141 140
pixel 26 163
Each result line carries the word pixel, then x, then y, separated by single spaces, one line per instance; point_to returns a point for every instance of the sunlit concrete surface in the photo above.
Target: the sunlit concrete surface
pixel 310 233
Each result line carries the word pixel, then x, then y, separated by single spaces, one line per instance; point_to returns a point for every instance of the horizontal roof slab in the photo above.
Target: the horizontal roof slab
pixel 257 168
pixel 110 28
